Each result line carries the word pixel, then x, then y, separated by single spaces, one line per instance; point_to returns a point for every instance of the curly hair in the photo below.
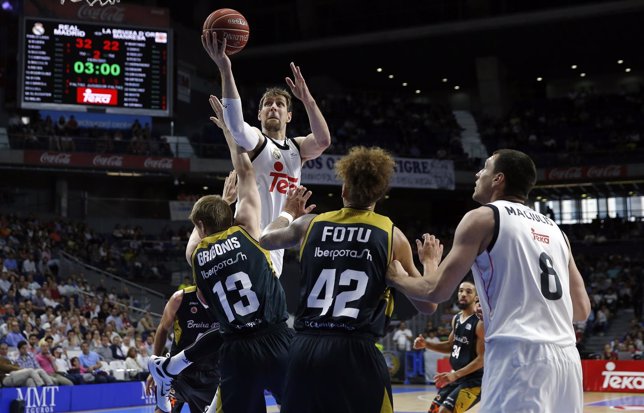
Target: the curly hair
pixel 274 92
pixel 366 173
pixel 213 211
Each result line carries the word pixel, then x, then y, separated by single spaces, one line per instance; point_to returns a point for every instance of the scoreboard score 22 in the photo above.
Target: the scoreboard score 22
pixel 92 67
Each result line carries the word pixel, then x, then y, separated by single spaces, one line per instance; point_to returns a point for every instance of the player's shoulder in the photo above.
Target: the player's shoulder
pixel 480 218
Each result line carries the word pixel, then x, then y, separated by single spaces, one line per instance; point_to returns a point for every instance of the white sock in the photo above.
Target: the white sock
pixel 177 363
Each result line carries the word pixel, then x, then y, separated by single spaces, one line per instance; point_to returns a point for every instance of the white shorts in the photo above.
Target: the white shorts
pixel 522 377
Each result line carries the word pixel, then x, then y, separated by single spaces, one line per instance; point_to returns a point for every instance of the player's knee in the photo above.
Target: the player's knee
pixel 445 409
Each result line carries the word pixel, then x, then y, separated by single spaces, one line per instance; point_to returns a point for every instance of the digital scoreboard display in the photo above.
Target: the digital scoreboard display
pixel 95 67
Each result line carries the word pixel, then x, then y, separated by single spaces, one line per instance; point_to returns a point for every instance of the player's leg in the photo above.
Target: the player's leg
pixel 467 397
pixel 165 369
pixel 336 373
pixel 448 396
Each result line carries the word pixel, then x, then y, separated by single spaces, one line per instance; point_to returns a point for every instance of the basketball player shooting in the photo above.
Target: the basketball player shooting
pixel 277 159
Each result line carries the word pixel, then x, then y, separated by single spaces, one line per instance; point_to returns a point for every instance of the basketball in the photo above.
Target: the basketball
pixel 230 25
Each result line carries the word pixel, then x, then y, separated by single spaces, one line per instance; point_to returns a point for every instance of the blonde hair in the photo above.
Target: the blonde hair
pixel 366 173
pixel 213 211
pixel 274 92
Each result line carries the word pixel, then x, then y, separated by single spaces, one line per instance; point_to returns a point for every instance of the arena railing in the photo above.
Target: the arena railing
pixel 142 299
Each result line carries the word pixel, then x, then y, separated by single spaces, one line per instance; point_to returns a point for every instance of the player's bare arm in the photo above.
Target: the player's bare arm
pixel 444 347
pixel 580 300
pixel 282 233
pixel 248 205
pixel 472 236
pixel 248 137
pixel 315 143
pixel 161 334
pixel 193 242
pixel 402 253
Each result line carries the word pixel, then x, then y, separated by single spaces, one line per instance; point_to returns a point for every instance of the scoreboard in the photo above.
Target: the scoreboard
pixel 95 67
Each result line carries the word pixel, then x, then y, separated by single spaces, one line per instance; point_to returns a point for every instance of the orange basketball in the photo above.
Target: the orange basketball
pixel 230 25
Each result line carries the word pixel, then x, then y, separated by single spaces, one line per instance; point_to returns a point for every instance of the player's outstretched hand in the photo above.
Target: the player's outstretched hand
pixel 430 250
pixel 419 342
pixel 298 85
pixel 443 379
pixel 296 199
pixel 215 50
pixel 229 194
pixel 218 109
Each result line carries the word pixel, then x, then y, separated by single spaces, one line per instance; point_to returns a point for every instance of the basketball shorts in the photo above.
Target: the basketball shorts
pixel 340 373
pixel 197 388
pixel 459 396
pixel 249 364
pixel 525 377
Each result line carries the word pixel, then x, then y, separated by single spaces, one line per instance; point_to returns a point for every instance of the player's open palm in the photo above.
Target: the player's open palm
pixel 430 249
pixel 298 85
pixel 215 50
pixel 296 199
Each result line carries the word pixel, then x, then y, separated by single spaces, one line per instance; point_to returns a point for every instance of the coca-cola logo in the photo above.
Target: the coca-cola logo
pixel 565 173
pixel 609 171
pixel 579 172
pixel 108 14
pixel 620 380
pixel 163 163
pixel 56 158
pixel 113 160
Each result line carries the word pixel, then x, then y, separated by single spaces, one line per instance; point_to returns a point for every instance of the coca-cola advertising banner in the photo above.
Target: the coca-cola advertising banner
pixel 106 161
pixel 574 173
pixel 613 376
pixel 99 11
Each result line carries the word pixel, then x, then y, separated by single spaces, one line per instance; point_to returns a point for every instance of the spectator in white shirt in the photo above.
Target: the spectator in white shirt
pixel 403 337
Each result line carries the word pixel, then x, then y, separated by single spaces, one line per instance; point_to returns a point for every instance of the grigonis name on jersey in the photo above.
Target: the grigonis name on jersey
pixel 217 249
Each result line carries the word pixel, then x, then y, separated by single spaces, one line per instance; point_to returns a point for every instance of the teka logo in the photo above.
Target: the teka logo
pixel 113 160
pixel 281 181
pixel 147 398
pixel 96 96
pixel 540 237
pixel 40 399
pixel 619 380
pixel 56 158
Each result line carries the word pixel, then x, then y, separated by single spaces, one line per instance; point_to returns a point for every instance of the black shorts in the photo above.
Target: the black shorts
pixel 250 364
pixel 340 373
pixel 459 396
pixel 197 388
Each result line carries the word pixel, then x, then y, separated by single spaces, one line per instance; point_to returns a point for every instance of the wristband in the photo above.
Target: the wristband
pixel 286 215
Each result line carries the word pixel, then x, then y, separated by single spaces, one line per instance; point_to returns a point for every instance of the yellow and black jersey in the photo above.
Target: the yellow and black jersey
pixel 343 261
pixel 238 283
pixel 190 322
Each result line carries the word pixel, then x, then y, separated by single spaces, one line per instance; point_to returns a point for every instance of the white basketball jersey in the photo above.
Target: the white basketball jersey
pixel 278 166
pixel 522 278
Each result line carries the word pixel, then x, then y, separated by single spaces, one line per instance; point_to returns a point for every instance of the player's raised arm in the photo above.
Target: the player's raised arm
pixel 245 135
pixel 316 142
pixel 248 205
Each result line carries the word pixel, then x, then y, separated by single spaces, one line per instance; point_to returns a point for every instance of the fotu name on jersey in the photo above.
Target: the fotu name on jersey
pixel 339 234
